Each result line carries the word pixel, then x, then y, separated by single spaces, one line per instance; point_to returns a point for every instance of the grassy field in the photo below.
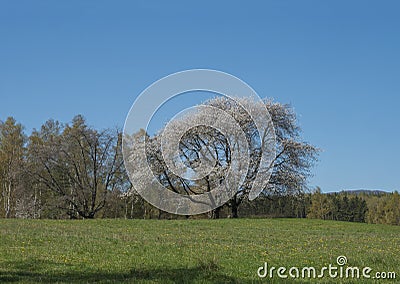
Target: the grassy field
pixel 188 251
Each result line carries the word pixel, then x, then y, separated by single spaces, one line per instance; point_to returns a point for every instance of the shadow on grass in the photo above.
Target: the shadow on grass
pixel 40 271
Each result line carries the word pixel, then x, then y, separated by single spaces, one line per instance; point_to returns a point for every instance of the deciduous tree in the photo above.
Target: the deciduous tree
pixel 80 165
pixel 12 140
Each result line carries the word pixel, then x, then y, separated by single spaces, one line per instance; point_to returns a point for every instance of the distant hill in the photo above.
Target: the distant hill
pixel 363 191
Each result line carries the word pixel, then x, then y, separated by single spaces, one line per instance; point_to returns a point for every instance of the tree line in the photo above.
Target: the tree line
pixel 359 206
pixel 72 170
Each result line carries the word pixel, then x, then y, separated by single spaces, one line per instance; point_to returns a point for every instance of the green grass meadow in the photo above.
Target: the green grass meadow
pixel 188 251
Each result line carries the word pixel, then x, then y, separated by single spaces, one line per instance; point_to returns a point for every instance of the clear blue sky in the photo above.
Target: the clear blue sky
pixel 337 63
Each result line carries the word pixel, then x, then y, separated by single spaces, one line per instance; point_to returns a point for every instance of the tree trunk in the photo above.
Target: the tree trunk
pixel 215 214
pixel 126 207
pixel 8 203
pixel 235 202
pixel 132 209
pixel 234 210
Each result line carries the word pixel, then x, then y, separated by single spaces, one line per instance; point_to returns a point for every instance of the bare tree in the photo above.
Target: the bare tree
pixel 80 165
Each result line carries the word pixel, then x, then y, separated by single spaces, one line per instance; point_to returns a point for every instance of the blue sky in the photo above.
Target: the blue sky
pixel 336 62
